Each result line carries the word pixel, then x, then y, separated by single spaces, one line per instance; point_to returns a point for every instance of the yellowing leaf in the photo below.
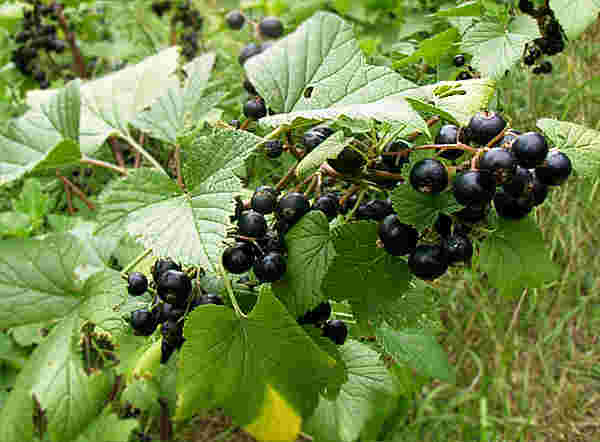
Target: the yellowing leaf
pixel 148 363
pixel 277 421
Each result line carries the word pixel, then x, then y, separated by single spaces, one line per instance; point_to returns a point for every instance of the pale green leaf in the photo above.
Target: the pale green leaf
pixel 63 110
pixel 330 148
pixel 575 15
pixel 108 427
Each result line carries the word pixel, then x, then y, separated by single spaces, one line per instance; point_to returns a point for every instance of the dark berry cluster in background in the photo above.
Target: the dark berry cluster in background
pixel 174 299
pixel 190 20
pixel 552 40
pixel 38 36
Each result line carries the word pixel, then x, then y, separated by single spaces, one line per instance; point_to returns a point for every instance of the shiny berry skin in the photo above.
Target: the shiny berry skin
pixel 235 20
pixel 292 207
pixel 428 261
pixel 271 27
pixel 252 224
pixel 538 190
pixel 255 109
pixel 473 214
pixel 272 242
pixel 375 210
pixel 270 268
pixel 555 169
pixel 398 239
pixel 348 161
pixel 458 248
pixel 329 204
pixel 273 148
pixel 336 331
pixel 249 87
pixel 161 266
pixel 459 60
pixel 448 134
pixel 166 350
pixel 319 314
pixel 143 322
pixel 238 259
pixel 394 163
pixel 530 149
pixel 510 207
pixel 474 187
pixel 485 126
pixel 443 225
pixel 168 311
pixel 206 300
pixel 137 283
pixel 172 332
pixel 519 182
pixel 312 139
pixel 501 163
pixel 248 51
pixel 464 75
pixel 264 200
pixel 429 176
pixel 174 287
pixel 326 131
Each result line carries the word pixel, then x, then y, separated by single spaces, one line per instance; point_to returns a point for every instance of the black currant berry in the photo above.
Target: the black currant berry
pixel 166 350
pixel 526 6
pixel 428 261
pixel 168 311
pixel 473 214
pixel 272 242
pixel 161 266
pixel 273 148
pixel 375 210
pixel 174 287
pixel 270 268
pixel 143 322
pixel 449 135
pixel 508 138
pixel 235 20
pixel 248 51
pixel 249 87
pixel 239 258
pixel 292 207
pixel 394 163
pixel 348 161
pixel 326 131
pixel 443 225
pixel 555 169
pixel 458 248
pixel 474 187
pixel 398 239
pixel 137 283
pixel 271 27
pixel 459 60
pixel 252 224
pixel 485 126
pixel 172 332
pixel 255 109
pixel 519 182
pixel 508 206
pixel 530 149
pixel 538 190
pixel 348 204
pixel 336 331
pixel 312 139
pixel 318 315
pixel 264 200
pixel 206 300
pixel 501 163
pixel 429 176
pixel 329 204
pixel 464 75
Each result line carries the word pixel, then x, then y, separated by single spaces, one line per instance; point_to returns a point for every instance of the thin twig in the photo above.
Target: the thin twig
pixel 516 313
pixel 304 183
pixel 387 175
pixel 497 137
pixel 283 181
pixel 70 207
pixel 245 124
pixel 457 146
pixel 116 150
pixel 77 191
pixel 78 61
pixel 312 185
pixel 104 164
pixel 414 135
pixel 351 191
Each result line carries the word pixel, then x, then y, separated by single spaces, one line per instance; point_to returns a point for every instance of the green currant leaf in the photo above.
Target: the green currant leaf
pixel 330 148
pixel 431 49
pixel 467 9
pixel 365 275
pixel 108 427
pixel 417 349
pixel 575 15
pixel 420 209
pixel 363 401
pixel 580 144
pixel 229 362
pixel 64 110
pixel 310 252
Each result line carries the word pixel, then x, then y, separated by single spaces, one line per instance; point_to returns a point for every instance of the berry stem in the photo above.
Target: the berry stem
pixel 283 181
pixel 442 147
pixel 351 191
pixel 414 135
pixel 229 288
pixel 245 124
pixel 145 153
pixel 319 185
pixel 77 191
pixel 387 175
pixel 78 61
pixel 116 152
pixel 135 262
pixel 311 186
pixel 330 171
pixel 361 196
pixel 304 183
pixel 104 164
pixel 69 196
pixel 497 137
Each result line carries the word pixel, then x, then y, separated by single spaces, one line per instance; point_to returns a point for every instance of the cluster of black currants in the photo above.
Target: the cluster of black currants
pixel 333 329
pixel 192 21
pixel 39 33
pixel 459 61
pixel 551 42
pixel 174 300
pixel 160 7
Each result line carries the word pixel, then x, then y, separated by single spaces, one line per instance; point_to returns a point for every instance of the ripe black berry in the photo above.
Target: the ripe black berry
pixel 319 314
pixel 166 350
pixel 428 261
pixel 348 161
pixel 172 332
pixel 292 207
pixel 464 75
pixel 398 239
pixel 249 87
pixel 239 258
pixel 348 204
pixel 248 51
pixel 206 300
pixel 273 148
pixel 143 322
pixel 174 287
pixel 485 126
pixel 336 331
pixel 510 207
pixel 270 268
pixel 530 149
pixel 161 266
pixel 311 139
pixel 519 182
pixel 252 224
pixel 255 109
pixel 329 204
pixel 474 187
pixel 538 190
pixel 501 163
pixel 137 283
pixel 474 213
pixel 375 210
pixel 555 169
pixel 235 20
pixel 271 27
pixel 526 6
pixel 449 135
pixel 326 131
pixel 272 242
pixel 168 311
pixel 429 176
pixel 443 225
pixel 459 60
pixel 264 200
pixel 458 248
pixel 394 163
